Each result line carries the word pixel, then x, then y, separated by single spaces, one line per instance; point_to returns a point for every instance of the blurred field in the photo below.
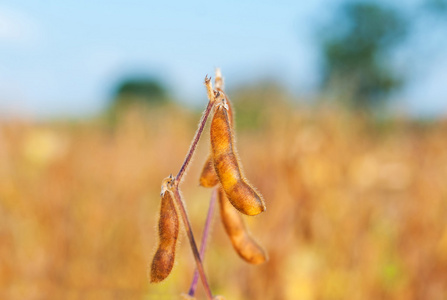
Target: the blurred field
pixel 355 209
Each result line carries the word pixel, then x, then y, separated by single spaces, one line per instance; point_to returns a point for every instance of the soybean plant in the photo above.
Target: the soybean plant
pixel 222 172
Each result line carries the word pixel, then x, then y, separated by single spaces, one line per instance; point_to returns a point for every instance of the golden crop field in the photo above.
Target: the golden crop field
pixel 356 209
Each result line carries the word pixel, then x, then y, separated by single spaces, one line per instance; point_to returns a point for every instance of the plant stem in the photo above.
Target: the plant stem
pixel 205 235
pixel 192 242
pixel 212 96
pixel 199 131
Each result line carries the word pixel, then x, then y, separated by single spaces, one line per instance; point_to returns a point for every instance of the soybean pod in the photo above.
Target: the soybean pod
pixel 168 228
pixel 208 177
pixel 243 197
pixel 243 243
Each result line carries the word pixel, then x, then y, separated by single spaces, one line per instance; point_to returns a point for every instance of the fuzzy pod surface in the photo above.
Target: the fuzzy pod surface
pixel 243 197
pixel 247 248
pixel 208 177
pixel 168 230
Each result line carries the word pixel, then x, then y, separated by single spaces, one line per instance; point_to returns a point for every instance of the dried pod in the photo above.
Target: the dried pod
pixel 226 164
pixel 168 227
pixel 235 227
pixel 208 177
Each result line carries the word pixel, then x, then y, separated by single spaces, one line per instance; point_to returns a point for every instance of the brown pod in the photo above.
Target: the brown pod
pixel 226 164
pixel 229 108
pixel 234 225
pixel 208 177
pixel 168 227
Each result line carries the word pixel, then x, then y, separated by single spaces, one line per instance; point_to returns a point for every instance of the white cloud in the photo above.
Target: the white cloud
pixel 17 28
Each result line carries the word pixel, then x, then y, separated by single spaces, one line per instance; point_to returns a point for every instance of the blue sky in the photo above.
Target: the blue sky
pixel 60 58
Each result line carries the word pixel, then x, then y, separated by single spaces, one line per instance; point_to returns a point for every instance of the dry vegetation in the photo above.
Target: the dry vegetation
pixel 354 210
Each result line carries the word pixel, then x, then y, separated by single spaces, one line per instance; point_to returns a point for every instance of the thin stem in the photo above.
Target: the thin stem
pixel 205 235
pixel 212 96
pixel 199 131
pixel 192 242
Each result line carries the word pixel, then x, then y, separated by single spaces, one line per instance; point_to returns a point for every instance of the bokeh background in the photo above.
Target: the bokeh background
pixel 341 124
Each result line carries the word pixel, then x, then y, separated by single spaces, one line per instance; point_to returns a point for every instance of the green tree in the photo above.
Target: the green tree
pixel 356 49
pixel 139 91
